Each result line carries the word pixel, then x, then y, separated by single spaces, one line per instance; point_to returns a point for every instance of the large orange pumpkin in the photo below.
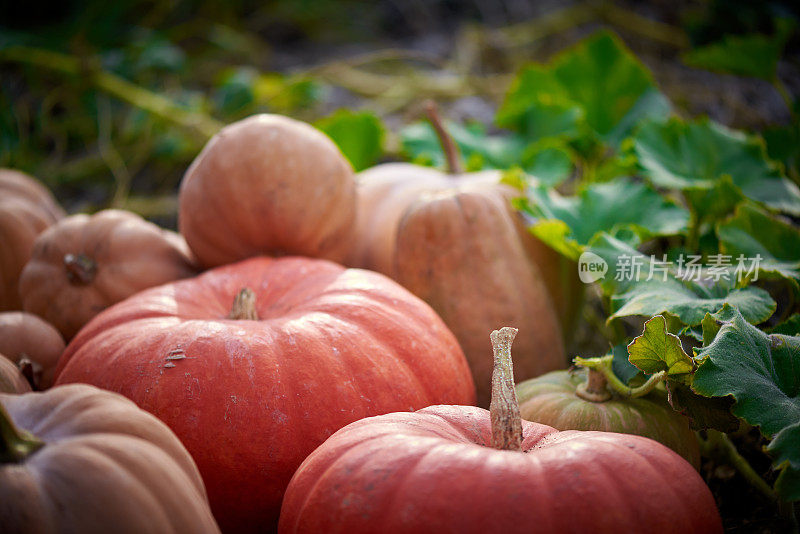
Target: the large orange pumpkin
pixel 26 209
pixel 86 263
pixel 456 242
pixel 77 459
pixel 461 469
pixel 267 185
pixel 252 380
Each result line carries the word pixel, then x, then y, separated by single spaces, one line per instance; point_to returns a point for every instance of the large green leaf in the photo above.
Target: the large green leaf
pixel 762 373
pixel 745 55
pixel 645 286
pixel 695 156
pixel 568 223
pixel 598 82
pixel 657 350
pixel 358 135
pixel 765 241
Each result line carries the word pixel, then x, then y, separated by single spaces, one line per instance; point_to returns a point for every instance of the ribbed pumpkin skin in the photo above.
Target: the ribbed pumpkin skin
pixel 26 209
pixel 551 400
pixel 251 399
pixel 456 242
pixel 433 471
pixel 24 335
pixel 106 466
pixel 131 254
pixel 267 185
pixel 11 380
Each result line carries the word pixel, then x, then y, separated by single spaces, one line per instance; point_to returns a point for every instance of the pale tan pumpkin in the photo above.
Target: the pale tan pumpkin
pixel 267 185
pixel 26 209
pixel 80 459
pixel 32 344
pixel 11 380
pixel 456 242
pixel 86 263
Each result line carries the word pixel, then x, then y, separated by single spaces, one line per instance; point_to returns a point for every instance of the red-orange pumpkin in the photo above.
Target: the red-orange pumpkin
pixel 439 470
pixel 312 348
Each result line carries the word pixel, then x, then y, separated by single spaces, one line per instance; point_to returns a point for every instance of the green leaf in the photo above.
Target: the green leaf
pixel 703 412
pixel 762 373
pixel 359 136
pixel 785 449
pixel 765 243
pixel 549 161
pixel 420 142
pixel 608 207
pixel 657 350
pixel 598 82
pixel 697 155
pixel 790 327
pixel 746 55
pixel 621 364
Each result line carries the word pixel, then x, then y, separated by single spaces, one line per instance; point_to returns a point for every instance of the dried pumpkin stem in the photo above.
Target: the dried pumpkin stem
pixel 81 269
pixel 504 408
pixel 244 306
pixel 595 388
pixel 15 444
pixel 449 147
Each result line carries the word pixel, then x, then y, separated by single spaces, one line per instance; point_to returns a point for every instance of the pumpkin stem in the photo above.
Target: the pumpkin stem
pixel 601 368
pixel 594 389
pixel 504 408
pixel 81 269
pixel 244 306
pixel 15 444
pixel 449 147
pixel 31 370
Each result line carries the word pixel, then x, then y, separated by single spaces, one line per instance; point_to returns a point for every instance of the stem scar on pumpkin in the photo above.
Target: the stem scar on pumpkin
pixel 244 306
pixel 504 407
pixel 81 269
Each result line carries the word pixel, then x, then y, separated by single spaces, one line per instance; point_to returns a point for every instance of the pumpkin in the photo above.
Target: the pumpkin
pixel 78 459
pixel 468 470
pixel 554 399
pixel 32 344
pixel 26 209
pixel 456 242
pixel 267 185
pixel 85 263
pixel 11 380
pixel 254 364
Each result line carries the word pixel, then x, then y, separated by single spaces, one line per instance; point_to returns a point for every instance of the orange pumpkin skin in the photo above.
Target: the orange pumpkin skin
pixel 26 209
pixel 26 339
pixel 251 399
pixel 11 380
pixel 435 471
pixel 267 185
pixel 86 263
pixel 551 400
pixel 456 242
pixel 106 466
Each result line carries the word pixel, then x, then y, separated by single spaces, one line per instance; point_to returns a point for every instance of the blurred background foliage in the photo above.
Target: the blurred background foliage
pixel 108 102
